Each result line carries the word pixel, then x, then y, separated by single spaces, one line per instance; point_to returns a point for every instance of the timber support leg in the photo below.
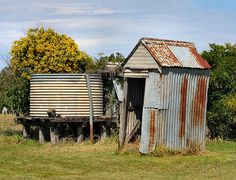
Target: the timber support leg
pixel 41 134
pixel 80 134
pixel 103 132
pixel 26 131
pixel 54 136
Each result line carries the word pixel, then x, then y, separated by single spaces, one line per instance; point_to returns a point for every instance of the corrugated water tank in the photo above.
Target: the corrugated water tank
pixel 66 93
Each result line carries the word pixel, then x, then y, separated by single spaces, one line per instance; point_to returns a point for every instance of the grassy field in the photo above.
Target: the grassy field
pixel 26 159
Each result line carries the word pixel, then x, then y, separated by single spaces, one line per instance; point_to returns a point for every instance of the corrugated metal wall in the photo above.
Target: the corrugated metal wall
pixel 67 93
pixel 177 116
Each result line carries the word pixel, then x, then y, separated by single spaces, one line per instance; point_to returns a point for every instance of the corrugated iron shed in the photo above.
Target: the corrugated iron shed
pixel 173 92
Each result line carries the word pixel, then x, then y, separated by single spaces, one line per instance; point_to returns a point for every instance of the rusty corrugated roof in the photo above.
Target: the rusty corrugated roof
pixel 169 53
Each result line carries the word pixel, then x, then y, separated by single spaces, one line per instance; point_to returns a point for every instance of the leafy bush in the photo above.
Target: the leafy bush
pixel 221 116
pixel 14 91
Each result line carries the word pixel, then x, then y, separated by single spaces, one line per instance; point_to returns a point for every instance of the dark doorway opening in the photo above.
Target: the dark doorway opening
pixel 136 88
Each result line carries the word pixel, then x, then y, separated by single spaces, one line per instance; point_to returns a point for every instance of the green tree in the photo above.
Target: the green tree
pixel 14 91
pixel 221 116
pixel 46 51
pixel 115 58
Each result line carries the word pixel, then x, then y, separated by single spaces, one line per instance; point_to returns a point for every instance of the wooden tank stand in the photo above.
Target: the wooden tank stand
pixel 51 126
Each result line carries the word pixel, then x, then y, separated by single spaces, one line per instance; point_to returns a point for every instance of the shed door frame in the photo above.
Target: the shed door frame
pixel 135 100
pixel 124 120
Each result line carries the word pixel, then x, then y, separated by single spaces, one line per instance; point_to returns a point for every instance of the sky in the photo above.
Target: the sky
pixel 105 26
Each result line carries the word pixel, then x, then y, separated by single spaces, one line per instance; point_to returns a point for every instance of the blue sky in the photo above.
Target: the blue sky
pixel 110 26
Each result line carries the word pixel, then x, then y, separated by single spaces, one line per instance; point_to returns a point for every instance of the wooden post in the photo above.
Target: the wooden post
pixel 90 108
pixel 41 134
pixel 103 132
pixel 26 131
pixel 54 135
pixel 124 115
pixel 80 133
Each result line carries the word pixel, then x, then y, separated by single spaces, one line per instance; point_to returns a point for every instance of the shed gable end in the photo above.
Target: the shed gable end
pixel 141 59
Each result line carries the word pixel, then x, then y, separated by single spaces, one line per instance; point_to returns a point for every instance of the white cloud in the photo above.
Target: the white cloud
pixel 79 23
pixel 83 10
pixel 85 43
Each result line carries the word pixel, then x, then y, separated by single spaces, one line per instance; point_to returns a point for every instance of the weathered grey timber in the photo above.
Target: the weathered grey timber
pixel 103 132
pixel 26 131
pixel 80 134
pixel 54 136
pixel 124 115
pixel 41 134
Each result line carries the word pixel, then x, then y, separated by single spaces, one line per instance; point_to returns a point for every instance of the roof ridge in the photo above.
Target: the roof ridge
pixel 143 39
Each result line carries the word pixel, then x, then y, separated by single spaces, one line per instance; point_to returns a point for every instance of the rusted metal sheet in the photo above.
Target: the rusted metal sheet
pixel 150 111
pixel 67 93
pixel 183 103
pixel 188 98
pixel 162 54
pixel 199 103
pixel 175 54
pixel 202 62
pixel 149 130
pixel 185 57
pixel 182 110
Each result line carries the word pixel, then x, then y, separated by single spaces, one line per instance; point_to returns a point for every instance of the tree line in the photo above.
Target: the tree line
pixel 46 51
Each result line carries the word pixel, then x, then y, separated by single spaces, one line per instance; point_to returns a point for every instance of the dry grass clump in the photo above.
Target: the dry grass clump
pixel 10 132
pixel 162 150
pixel 129 149
pixel 8 125
pixel 193 148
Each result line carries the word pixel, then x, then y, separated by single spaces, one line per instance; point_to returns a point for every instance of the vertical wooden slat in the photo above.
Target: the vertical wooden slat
pixel 124 115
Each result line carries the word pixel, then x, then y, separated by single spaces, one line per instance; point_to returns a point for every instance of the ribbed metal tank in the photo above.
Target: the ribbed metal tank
pixel 66 93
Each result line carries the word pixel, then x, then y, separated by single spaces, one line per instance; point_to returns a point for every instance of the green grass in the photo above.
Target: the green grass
pixel 26 159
